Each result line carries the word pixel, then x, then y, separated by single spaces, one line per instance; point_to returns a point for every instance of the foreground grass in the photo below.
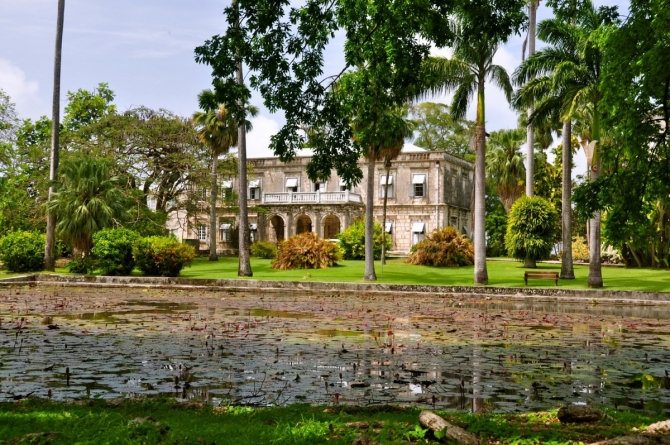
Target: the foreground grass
pixel 164 421
pixel 502 273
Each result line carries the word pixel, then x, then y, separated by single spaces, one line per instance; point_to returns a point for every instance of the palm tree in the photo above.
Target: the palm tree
pixel 530 132
pixel 566 76
pixel 50 248
pixel 393 143
pixel 88 200
pixel 504 165
pixel 466 73
pixel 218 132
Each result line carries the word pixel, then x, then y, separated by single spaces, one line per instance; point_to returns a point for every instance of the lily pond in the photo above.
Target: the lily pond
pixel 265 348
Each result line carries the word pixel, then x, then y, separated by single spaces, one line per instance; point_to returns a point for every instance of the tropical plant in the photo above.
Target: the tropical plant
pixel 264 249
pixel 88 200
pixel 352 240
pixel 466 74
pixel 436 129
pixel 531 228
pixel 113 251
pixel 218 131
pixel 566 76
pixel 444 247
pixel 504 165
pixel 306 251
pixel 162 256
pixel 22 251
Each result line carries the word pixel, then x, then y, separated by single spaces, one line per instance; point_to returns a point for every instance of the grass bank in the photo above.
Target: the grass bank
pixel 502 273
pixel 164 421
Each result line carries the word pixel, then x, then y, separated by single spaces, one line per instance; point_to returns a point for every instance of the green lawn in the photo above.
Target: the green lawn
pixel 164 421
pixel 502 273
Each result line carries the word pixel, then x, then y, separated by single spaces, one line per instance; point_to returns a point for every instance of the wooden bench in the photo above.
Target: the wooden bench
pixel 541 276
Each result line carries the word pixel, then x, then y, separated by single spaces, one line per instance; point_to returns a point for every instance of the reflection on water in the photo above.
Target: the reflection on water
pixel 449 353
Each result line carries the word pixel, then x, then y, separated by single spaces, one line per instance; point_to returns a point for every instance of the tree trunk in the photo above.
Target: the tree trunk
pixel 530 135
pixel 212 210
pixel 244 268
pixel 481 274
pixel 595 268
pixel 453 433
pixel 387 165
pixel 50 248
pixel 567 269
pixel 369 222
pixel 529 263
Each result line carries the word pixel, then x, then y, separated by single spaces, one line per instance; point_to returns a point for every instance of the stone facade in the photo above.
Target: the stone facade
pixel 426 190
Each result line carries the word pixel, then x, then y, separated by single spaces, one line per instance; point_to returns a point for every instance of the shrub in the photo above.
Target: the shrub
pixel 113 251
pixel 352 240
pixel 81 264
pixel 23 251
pixel 264 249
pixel 580 250
pixel 306 251
pixel 162 256
pixel 443 248
pixel 531 229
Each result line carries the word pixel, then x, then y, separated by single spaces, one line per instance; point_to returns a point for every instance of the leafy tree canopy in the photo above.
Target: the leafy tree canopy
pixel 436 129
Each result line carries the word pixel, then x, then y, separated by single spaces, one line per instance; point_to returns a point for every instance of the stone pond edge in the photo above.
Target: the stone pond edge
pixel 232 285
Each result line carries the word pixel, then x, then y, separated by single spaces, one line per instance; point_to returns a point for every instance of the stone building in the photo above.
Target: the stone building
pixel 427 189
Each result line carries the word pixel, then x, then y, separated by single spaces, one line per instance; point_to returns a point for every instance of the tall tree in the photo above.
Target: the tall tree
pixel 466 73
pixel 504 165
pixel 218 132
pixel 530 132
pixel 50 248
pixel 436 129
pixel 569 79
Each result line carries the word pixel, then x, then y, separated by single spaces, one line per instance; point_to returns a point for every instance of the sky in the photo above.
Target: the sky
pixel 144 50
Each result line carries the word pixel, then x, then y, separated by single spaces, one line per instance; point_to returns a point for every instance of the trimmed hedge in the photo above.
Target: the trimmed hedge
pixel 264 249
pixel 162 256
pixel 22 251
pixel 113 251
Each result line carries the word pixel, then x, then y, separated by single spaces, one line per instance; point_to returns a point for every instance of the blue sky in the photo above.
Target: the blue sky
pixel 144 50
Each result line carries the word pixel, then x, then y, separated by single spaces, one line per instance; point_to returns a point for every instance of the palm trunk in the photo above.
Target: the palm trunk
pixel 387 165
pixel 50 248
pixel 595 268
pixel 369 222
pixel 567 269
pixel 481 274
pixel 244 267
pixel 530 135
pixel 212 211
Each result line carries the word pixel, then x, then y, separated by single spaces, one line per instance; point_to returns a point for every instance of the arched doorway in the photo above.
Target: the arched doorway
pixel 303 224
pixel 276 229
pixel 331 226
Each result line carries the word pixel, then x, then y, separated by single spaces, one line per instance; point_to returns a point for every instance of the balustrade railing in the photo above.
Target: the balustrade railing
pixel 311 198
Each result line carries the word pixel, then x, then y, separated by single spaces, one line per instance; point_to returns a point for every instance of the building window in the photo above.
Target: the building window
pixel 383 187
pixel 255 189
pixel 202 194
pixel 253 232
pixel 343 186
pixel 224 232
pixel 227 189
pixel 389 227
pixel 454 221
pixel 202 232
pixel 320 187
pixel 418 187
pixel 292 185
pixel 418 232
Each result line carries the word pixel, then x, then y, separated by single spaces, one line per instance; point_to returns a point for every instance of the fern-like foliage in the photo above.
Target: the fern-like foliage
pixel 443 248
pixel 306 251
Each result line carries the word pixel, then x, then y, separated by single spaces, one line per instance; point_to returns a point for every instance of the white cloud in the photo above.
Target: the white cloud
pixel 23 92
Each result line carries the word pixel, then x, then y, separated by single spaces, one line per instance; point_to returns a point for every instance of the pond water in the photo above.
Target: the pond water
pixel 280 348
